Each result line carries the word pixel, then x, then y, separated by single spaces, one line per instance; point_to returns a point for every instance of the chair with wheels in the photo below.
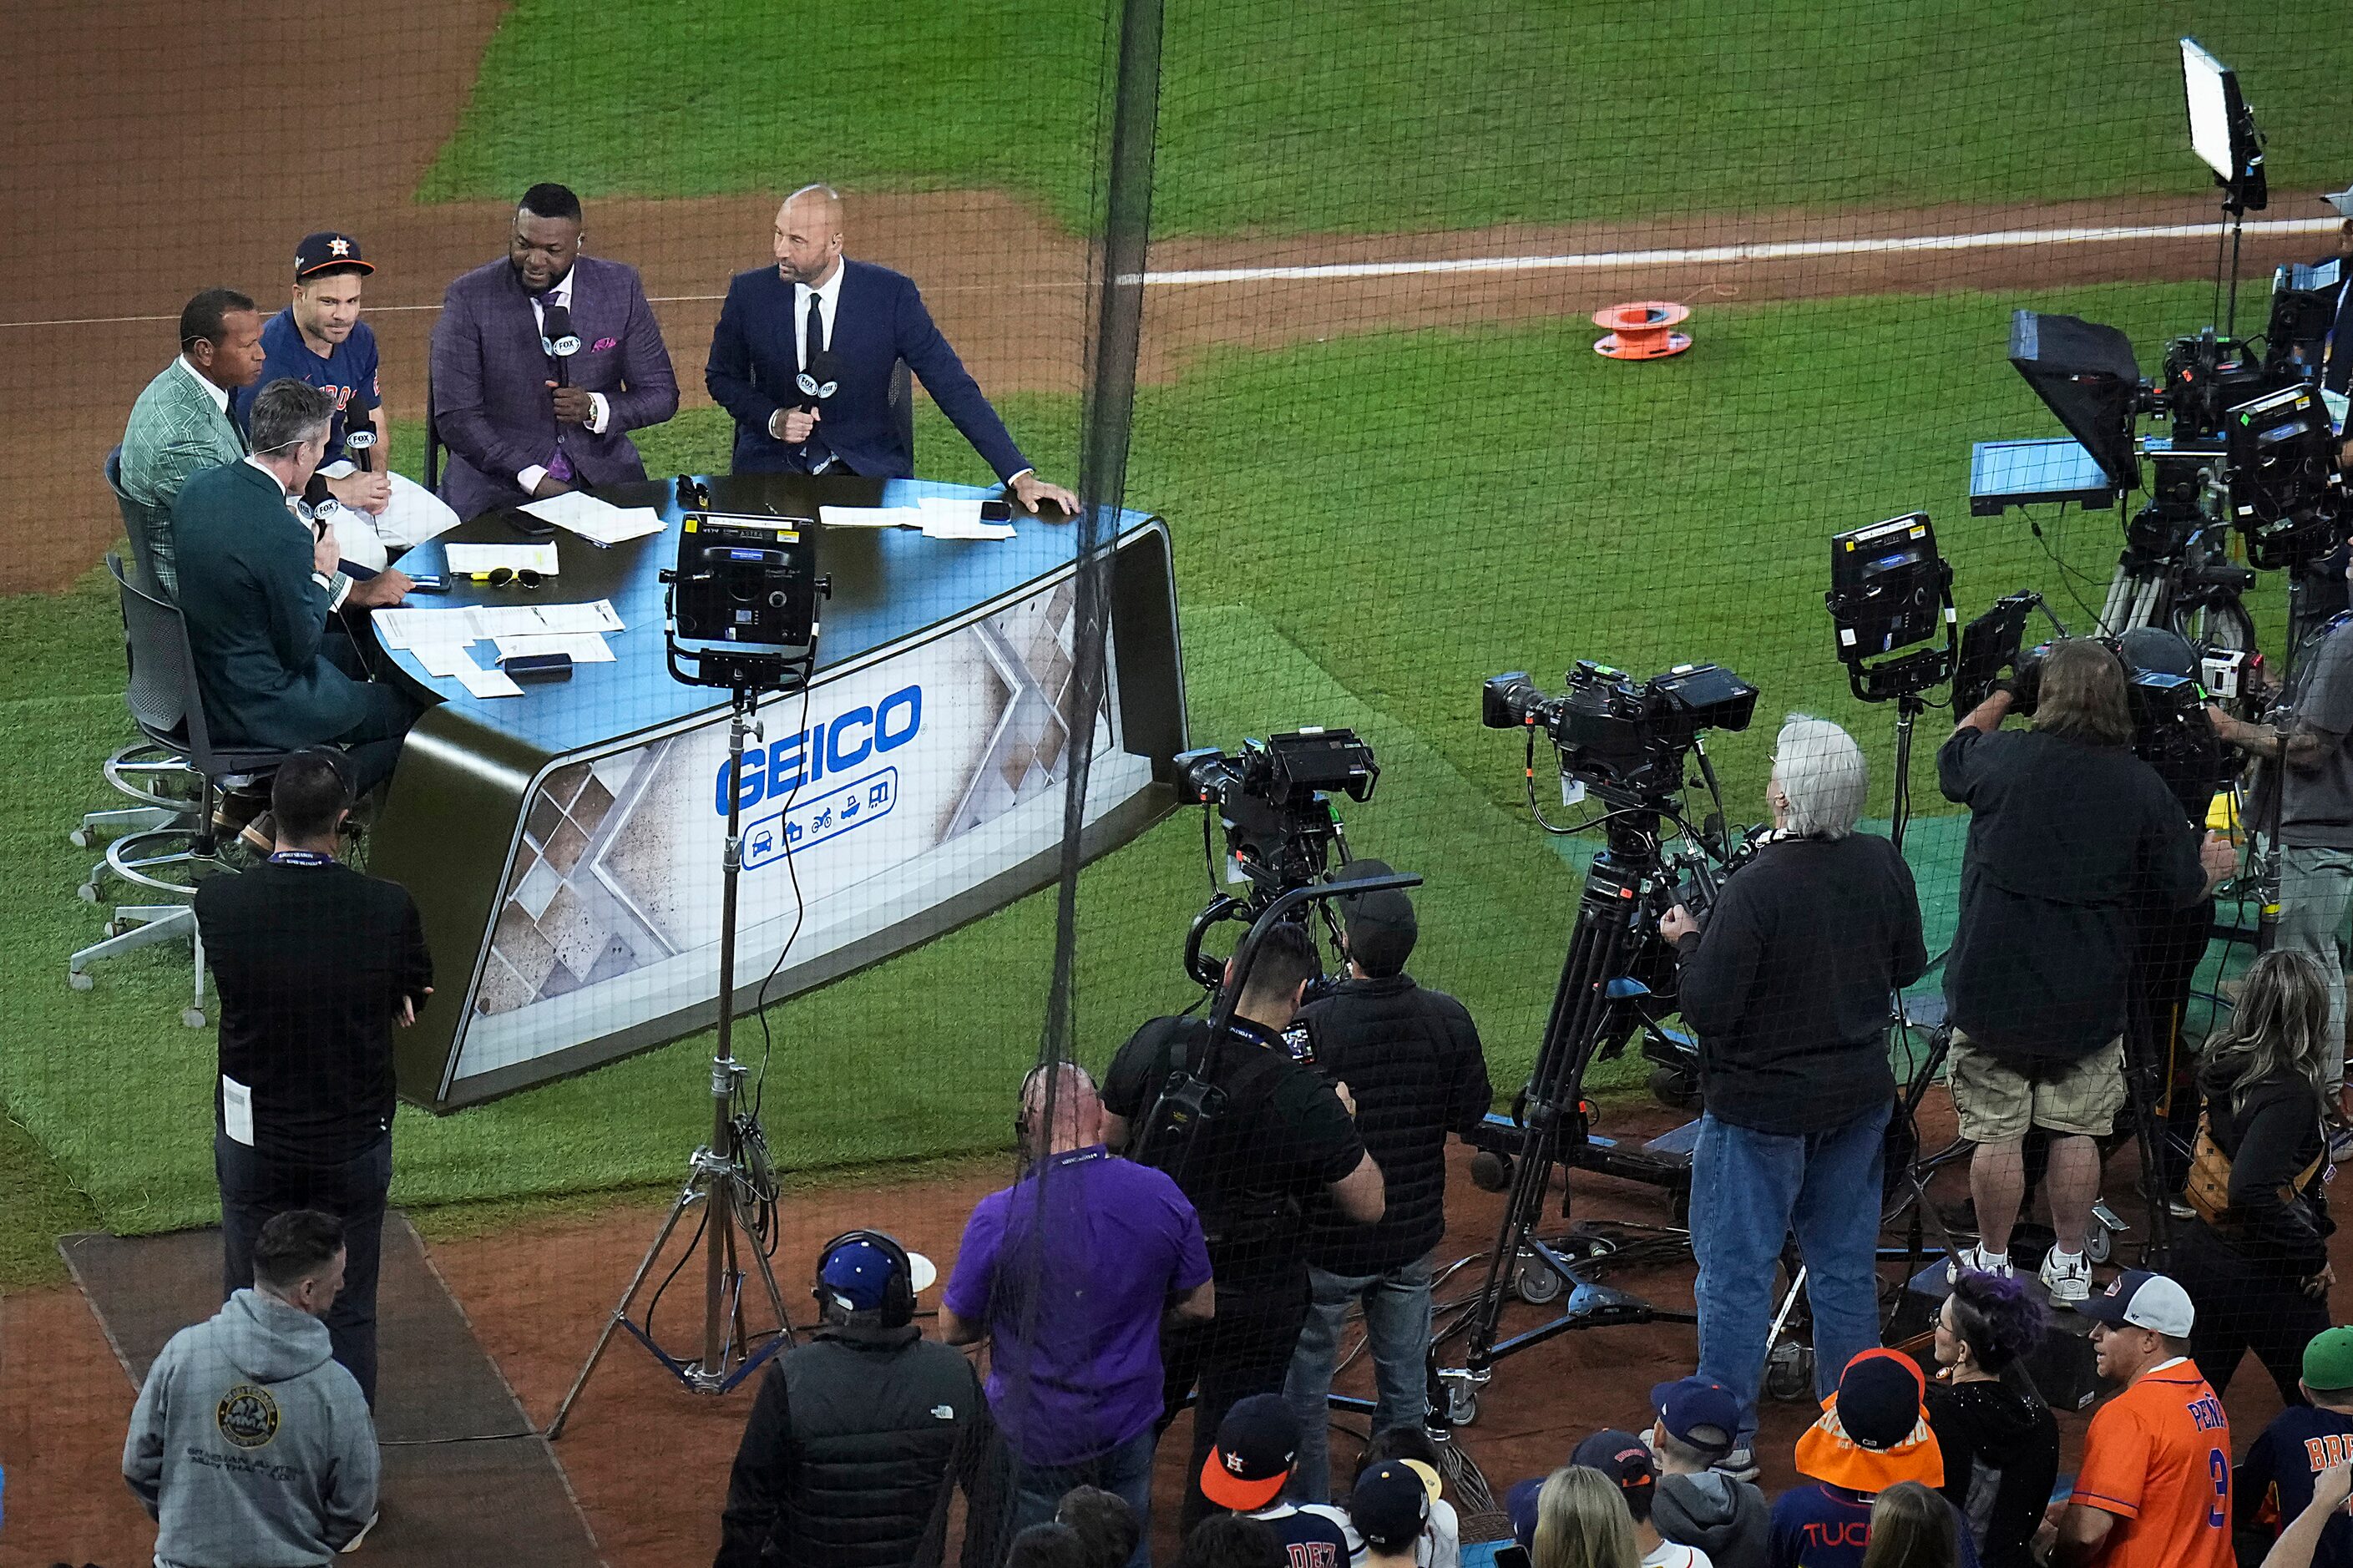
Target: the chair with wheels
pixel 155 778
pixel 166 706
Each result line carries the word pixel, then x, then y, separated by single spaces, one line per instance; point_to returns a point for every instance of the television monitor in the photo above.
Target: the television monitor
pixel 2085 373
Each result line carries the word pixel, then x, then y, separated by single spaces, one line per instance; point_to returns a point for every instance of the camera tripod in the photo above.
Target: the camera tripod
pixel 729 1176
pixel 2175 570
pixel 1598 1004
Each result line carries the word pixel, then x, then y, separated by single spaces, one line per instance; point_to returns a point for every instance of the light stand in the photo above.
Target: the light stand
pixel 729 1175
pixel 722 565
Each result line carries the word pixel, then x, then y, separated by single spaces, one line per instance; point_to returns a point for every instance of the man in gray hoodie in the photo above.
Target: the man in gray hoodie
pixel 1697 1506
pixel 250 1446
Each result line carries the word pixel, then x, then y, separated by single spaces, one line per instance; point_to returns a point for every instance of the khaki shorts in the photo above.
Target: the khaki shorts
pixel 1997 1105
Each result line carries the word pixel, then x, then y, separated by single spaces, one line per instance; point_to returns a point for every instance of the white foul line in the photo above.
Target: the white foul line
pixel 1589 261
pixel 1719 255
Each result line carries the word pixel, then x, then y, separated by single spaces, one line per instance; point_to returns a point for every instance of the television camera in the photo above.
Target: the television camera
pixel 1274 799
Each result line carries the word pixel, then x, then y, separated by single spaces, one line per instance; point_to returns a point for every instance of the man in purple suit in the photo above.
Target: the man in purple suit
pixel 525 413
pixel 806 352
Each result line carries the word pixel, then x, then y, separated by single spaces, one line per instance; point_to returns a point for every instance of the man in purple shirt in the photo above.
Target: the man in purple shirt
pixel 1068 1274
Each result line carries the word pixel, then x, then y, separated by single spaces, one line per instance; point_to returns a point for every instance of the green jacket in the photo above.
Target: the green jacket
pixel 174 434
pixel 257 614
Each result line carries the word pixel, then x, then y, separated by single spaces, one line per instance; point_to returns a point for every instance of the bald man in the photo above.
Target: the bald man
pixel 857 321
pixel 1069 1274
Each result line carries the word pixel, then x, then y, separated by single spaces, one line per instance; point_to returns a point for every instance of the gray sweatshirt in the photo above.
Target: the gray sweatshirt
pixel 249 1445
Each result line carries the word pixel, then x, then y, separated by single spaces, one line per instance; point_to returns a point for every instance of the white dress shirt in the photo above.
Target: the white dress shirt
pixel 338 587
pixel 600 414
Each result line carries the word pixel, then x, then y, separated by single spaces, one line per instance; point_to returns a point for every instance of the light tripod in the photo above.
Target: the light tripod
pixel 729 1176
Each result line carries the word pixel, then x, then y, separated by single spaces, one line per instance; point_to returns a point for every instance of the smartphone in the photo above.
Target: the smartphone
pixel 430 583
pixel 996 511
pixel 1515 1555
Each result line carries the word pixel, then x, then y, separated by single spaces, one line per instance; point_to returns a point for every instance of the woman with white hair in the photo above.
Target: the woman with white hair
pixel 1788 989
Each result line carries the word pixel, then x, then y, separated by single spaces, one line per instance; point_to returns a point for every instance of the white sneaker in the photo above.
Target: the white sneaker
pixel 1976 1260
pixel 2067 1276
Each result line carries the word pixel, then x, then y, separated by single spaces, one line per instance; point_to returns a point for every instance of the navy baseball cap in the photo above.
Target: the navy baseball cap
pixel 1391 1505
pixel 1256 1444
pixel 859 1273
pixel 1626 1460
pixel 326 250
pixel 1520 1502
pixel 1698 1413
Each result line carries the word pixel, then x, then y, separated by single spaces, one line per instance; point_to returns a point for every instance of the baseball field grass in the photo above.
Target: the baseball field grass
pixel 1379 116
pixel 1342 565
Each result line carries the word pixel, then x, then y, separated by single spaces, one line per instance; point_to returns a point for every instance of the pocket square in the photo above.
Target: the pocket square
pixel 602 344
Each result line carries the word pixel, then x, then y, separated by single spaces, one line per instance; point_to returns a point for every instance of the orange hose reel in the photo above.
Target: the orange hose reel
pixel 1640 330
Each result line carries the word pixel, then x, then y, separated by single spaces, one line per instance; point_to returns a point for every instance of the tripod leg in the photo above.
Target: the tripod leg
pixel 687 1197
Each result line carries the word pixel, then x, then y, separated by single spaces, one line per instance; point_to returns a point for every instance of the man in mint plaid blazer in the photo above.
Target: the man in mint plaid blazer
pixel 181 425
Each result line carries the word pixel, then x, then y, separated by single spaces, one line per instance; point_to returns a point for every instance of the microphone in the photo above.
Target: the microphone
pixel 359 441
pixel 819 382
pixel 558 340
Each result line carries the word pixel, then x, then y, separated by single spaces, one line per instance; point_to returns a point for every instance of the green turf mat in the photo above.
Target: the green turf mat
pixel 1373 116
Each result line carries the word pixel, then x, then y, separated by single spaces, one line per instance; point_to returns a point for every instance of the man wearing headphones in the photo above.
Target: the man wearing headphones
pixel 858 1435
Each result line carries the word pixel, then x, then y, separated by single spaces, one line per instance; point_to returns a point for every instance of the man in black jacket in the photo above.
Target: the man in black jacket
pixel 1285 1139
pixel 316 963
pixel 859 1436
pixel 1412 1059
pixel 2069 835
pixel 1788 989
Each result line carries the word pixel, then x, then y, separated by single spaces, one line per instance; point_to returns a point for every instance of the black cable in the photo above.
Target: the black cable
pixel 800 910
pixel 694 1243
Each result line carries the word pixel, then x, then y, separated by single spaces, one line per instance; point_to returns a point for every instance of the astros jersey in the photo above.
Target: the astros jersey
pixel 2158 1458
pixel 2274 1481
pixel 349 372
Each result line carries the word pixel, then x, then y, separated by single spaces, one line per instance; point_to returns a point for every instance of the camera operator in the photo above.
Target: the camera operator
pixel 1413 1060
pixel 1282 1137
pixel 2311 798
pixel 2069 832
pixel 1787 987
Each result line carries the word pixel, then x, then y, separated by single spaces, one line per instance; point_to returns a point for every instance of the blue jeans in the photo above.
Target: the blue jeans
pixel 2316 889
pixel 1749 1191
pixel 1397 1330
pixel 1125 1471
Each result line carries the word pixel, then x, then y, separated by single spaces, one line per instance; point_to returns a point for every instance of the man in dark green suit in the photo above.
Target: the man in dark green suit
pixel 259 592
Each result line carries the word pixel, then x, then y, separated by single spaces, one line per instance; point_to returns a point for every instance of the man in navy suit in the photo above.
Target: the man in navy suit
pixel 869 318
pixel 518 421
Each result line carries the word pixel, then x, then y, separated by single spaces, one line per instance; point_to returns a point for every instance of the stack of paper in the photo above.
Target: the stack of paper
pixel 870 515
pixel 480 560
pixel 437 638
pixel 598 521
pixel 939 517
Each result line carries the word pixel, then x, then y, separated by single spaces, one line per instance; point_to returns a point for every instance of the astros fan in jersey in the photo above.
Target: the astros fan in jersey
pixel 2155 1487
pixel 320 340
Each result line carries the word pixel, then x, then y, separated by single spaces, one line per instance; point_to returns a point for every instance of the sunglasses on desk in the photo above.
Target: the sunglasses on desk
pixel 508 577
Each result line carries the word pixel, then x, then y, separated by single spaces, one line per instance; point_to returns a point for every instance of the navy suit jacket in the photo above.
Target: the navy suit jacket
pixel 490 402
pixel 878 320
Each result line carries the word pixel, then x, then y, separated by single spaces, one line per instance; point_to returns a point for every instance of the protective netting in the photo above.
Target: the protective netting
pixel 1301 301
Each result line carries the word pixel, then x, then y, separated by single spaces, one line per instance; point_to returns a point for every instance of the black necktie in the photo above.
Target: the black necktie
pixel 816 345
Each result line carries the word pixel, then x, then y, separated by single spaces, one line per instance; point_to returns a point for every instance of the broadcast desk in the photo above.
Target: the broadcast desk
pixel 564 845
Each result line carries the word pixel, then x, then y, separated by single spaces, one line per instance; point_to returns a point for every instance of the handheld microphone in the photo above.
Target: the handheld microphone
pixel 819 382
pixel 319 504
pixel 558 340
pixel 359 442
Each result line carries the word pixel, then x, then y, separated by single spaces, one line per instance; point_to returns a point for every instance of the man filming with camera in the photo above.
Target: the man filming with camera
pixel 2069 834
pixel 2307 790
pixel 1271 1137
pixel 1787 986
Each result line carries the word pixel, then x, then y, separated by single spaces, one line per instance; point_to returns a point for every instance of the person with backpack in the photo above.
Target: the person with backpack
pixel 1249 1135
pixel 2255 1261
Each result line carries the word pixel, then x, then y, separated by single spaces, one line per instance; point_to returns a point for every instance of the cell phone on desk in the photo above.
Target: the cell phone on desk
pixel 428 582
pixel 996 511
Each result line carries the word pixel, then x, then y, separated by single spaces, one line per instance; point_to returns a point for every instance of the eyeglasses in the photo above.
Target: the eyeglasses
pixel 507 576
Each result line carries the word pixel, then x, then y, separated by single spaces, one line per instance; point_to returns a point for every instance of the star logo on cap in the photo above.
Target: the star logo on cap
pixel 339 248
pixel 1234 1463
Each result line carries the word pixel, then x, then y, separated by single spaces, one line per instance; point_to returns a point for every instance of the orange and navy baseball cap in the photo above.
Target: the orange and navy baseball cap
pixel 1871 1433
pixel 328 250
pixel 1256 1444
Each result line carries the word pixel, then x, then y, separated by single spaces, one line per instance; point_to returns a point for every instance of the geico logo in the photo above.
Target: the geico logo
pixel 775 771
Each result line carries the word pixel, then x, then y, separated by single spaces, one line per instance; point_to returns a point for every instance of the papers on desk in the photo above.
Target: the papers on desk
pixel 438 639
pixel 479 560
pixel 939 517
pixel 598 521
pixel 582 647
